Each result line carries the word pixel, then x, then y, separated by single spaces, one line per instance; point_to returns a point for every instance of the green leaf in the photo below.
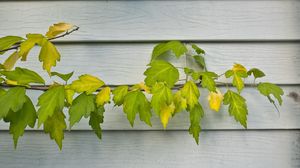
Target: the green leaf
pixel 13 100
pixel 198 49
pixel 8 41
pixel 10 62
pixel 96 118
pixel 50 101
pixel 23 76
pixel 196 114
pixel 238 72
pixel 191 93
pixel 82 105
pixel 136 102
pixel 268 89
pixel 208 80
pixel 64 77
pixel 119 94
pixel 257 73
pixel 200 61
pixel 175 46
pixel 28 44
pixel 55 126
pixel 20 119
pixel 48 55
pixel 86 83
pixel 161 71
pixel 237 107
pixel 188 71
pixel 161 96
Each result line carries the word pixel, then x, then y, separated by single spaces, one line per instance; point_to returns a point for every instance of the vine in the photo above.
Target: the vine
pixel 169 96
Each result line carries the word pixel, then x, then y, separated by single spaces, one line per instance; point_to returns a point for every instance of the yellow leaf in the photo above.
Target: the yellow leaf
pixel 144 87
pixel 215 100
pixel 103 96
pixel 141 86
pixel 179 101
pixel 166 113
pixel 11 61
pixel 238 67
pixel 58 28
pixel 69 94
pixel 86 83
pixel 28 44
pixel 48 55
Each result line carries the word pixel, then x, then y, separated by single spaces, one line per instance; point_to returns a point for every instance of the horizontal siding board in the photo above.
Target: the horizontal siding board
pixel 124 63
pixel 262 115
pixel 170 149
pixel 157 20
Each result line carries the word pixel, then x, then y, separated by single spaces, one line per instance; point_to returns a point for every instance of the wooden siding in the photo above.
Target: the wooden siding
pixel 115 42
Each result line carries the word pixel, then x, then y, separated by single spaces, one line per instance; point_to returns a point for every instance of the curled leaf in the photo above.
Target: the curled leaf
pixel 58 28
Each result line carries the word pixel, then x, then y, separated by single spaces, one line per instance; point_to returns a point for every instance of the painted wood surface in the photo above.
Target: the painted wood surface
pixel 169 149
pixel 124 63
pixel 115 43
pixel 157 20
pixel 262 115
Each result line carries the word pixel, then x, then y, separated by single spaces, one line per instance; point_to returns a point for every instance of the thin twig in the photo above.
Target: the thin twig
pixel 175 87
pixel 17 45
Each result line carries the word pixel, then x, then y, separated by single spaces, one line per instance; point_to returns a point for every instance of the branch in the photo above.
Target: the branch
pixel 17 45
pixel 175 87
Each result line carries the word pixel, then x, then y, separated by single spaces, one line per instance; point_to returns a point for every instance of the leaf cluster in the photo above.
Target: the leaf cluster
pixel 162 92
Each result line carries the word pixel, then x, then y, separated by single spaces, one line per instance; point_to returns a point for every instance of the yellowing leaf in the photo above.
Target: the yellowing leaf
pixel 69 93
pixel 141 86
pixel 161 96
pixel 239 67
pixel 48 55
pixel 238 72
pixel 119 94
pixel 103 96
pixel 28 44
pixel 10 62
pixel 87 83
pixel 215 100
pixel 166 113
pixel 58 28
pixel 191 93
pixel 179 101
